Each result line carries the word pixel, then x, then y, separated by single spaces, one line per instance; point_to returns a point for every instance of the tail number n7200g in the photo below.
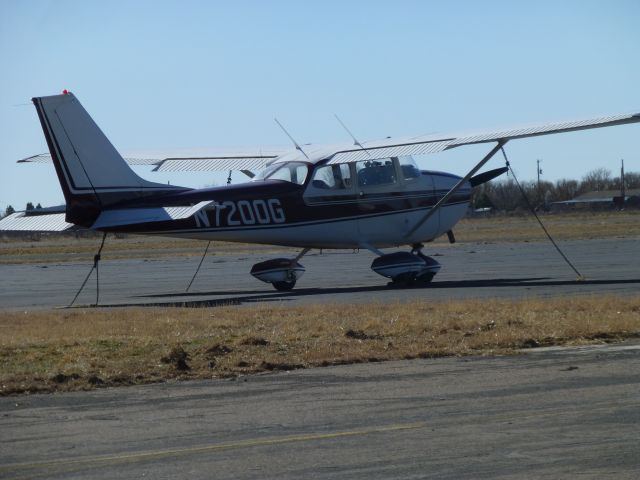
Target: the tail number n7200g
pixel 246 212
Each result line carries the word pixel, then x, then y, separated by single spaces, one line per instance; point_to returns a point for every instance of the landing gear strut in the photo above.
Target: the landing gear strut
pixel 406 267
pixel 282 273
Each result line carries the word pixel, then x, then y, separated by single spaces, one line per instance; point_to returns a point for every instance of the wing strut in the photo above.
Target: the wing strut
pixel 457 186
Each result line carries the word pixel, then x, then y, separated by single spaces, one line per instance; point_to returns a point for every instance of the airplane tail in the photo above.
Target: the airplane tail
pixel 92 174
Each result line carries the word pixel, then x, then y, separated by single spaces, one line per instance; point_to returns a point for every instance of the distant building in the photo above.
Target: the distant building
pixel 603 199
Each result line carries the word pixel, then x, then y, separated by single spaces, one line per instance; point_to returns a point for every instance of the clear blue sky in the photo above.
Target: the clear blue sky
pixel 159 74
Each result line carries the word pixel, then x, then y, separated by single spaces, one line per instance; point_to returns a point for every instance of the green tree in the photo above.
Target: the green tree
pixel 9 210
pixel 29 206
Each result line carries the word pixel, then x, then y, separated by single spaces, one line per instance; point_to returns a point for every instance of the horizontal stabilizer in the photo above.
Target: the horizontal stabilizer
pixel 132 216
pixel 26 222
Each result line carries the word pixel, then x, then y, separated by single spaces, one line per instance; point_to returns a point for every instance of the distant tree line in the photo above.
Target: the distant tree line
pixel 504 194
pixel 9 210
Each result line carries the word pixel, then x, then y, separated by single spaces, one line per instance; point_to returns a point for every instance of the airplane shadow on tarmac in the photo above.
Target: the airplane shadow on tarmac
pixel 239 297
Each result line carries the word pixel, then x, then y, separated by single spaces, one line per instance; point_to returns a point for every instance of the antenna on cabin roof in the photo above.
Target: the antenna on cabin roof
pixel 298 147
pixel 355 140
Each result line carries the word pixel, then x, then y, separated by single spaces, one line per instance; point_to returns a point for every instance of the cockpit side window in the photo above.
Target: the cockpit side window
pixel 376 172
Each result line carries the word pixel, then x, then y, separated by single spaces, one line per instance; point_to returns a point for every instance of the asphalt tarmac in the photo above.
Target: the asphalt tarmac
pixel 549 413
pixel 469 270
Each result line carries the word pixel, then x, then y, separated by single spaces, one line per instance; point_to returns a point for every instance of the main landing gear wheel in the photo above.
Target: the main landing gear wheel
pixel 406 268
pixel 282 273
pixel 284 286
pixel 412 280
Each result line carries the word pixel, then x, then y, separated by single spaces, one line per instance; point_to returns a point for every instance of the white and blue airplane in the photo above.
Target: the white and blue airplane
pixel 368 195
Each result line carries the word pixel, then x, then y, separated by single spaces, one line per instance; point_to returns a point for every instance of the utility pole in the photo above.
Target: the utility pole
pixel 618 201
pixel 539 172
pixel 622 192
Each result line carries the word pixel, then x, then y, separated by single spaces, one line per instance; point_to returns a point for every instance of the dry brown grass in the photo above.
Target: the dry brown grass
pixel 84 349
pixel 562 226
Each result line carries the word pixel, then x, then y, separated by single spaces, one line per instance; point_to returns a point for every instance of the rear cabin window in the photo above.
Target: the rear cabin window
pixel 330 180
pixel 376 172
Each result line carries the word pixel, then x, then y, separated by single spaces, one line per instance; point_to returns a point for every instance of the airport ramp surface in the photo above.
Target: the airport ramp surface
pixel 548 413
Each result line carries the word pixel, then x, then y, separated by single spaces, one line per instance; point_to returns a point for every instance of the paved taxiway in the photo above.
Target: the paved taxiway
pixel 550 413
pixel 469 270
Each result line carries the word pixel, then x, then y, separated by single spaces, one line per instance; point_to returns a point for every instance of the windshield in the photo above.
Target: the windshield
pixel 409 168
pixel 294 172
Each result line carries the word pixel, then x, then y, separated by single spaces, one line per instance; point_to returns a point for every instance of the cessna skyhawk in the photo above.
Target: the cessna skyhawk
pixel 363 195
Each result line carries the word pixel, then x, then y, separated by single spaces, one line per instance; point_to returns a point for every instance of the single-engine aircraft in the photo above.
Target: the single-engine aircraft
pixel 363 195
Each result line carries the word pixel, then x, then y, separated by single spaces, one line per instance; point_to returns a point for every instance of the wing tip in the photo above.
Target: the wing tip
pixel 33 158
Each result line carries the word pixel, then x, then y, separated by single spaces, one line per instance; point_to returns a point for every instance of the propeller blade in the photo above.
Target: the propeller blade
pixel 456 187
pixel 486 176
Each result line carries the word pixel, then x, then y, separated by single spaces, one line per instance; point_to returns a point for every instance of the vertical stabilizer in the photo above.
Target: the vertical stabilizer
pixel 91 172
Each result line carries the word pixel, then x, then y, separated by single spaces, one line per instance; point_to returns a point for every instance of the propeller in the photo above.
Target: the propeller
pixel 487 176
pixel 457 186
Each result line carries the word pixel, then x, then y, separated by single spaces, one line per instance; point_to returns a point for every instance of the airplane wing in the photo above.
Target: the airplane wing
pixel 427 144
pixel 248 160
pixel 501 137
pixel 191 159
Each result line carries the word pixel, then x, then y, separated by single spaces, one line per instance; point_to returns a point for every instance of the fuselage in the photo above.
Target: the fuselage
pixel 300 204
